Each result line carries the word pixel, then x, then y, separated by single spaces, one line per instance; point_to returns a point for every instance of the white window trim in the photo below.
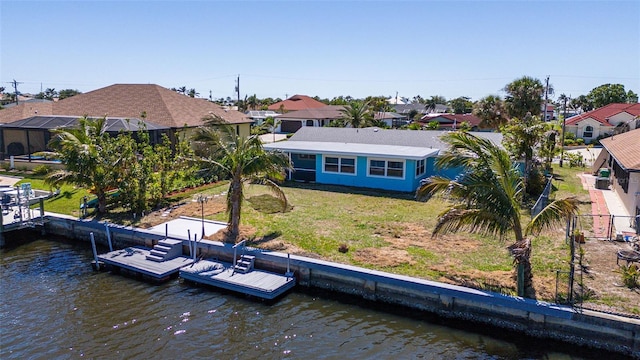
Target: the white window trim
pixel 386 167
pixel 355 165
pixel 425 167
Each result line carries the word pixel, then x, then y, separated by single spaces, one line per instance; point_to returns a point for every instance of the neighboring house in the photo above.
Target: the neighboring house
pixel 622 155
pixel 604 121
pixel 31 135
pixel 392 119
pixel 296 102
pixel 451 121
pixel 317 117
pixel 157 106
pixel 394 160
pixel 259 116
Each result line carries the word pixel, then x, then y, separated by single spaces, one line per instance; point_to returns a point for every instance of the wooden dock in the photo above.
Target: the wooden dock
pixel 135 259
pixel 262 284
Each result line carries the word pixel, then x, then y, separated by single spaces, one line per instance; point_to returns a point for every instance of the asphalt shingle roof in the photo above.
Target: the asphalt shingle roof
pixel 375 136
pixel 625 148
pixel 162 106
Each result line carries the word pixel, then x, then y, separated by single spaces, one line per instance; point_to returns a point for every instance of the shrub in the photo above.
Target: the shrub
pixel 414 126
pixel 41 170
pixel 630 275
pixel 574 159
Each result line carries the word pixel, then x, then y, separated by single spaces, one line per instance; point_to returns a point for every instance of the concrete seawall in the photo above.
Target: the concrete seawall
pixel 530 317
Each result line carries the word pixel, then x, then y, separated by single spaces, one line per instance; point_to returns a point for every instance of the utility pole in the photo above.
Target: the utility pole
pixel 15 89
pixel 564 120
pixel 546 97
pixel 238 88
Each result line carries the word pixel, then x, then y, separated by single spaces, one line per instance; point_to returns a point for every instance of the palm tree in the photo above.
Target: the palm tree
pixel 242 160
pixel 270 124
pixel 524 95
pixel 490 109
pixel 486 198
pixel 357 114
pixel 430 105
pixel 253 102
pixel 193 93
pixel 84 152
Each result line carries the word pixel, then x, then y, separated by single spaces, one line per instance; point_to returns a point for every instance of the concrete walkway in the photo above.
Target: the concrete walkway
pixel 606 202
pixel 183 226
pixel 9 180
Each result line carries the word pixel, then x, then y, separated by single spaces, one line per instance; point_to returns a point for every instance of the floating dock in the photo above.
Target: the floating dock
pixel 137 260
pixel 262 284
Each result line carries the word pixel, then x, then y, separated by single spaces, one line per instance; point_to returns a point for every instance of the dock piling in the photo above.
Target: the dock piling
pixel 95 252
pixel 106 225
pixel 189 237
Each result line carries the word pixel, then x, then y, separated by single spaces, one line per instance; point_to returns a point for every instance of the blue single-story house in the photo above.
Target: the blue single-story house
pixel 374 158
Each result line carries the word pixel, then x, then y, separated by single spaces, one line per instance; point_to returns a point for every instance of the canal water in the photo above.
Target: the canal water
pixel 54 306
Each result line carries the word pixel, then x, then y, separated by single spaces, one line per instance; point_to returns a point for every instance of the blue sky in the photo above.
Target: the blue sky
pixel 323 48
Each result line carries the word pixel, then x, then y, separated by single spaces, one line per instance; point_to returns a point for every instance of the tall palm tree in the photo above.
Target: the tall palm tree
pixel 84 152
pixel 242 160
pixel 357 114
pixel 486 198
pixel 524 95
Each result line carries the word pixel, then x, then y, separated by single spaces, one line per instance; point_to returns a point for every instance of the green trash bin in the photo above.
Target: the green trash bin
pixel 604 172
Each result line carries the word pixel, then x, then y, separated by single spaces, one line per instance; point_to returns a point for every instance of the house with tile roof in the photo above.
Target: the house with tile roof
pixel 296 102
pixel 394 160
pixel 604 121
pixel 621 154
pixel 155 105
pixel 291 121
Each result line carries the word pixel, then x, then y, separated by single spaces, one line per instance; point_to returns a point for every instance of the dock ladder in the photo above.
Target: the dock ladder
pixel 245 263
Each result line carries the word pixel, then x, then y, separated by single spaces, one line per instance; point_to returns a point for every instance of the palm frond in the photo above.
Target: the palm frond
pixel 553 215
pixel 476 221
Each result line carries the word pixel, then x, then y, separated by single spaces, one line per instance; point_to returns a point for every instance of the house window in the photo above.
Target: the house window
pixel 421 167
pixel 305 156
pixel 309 122
pixel 340 165
pixel 386 168
pixel 588 131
